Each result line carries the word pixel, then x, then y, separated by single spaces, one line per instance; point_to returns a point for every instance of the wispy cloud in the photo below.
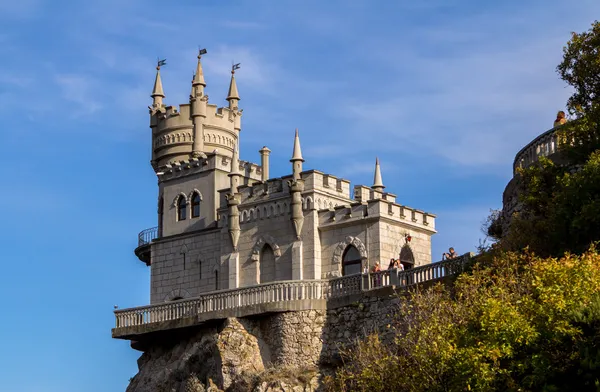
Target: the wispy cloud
pixel 79 90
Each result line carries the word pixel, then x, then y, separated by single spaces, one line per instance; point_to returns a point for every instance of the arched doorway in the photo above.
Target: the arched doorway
pixel 351 261
pixel 267 264
pixel 407 257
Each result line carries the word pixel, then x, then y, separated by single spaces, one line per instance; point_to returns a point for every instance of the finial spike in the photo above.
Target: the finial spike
pixel 297 153
pixel 235 161
pixel 199 76
pixel 377 180
pixel 157 91
pixel 233 91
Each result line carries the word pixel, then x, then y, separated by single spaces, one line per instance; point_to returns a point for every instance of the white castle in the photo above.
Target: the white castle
pixel 224 224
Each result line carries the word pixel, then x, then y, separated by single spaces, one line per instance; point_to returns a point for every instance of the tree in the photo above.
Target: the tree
pixel 580 68
pixel 560 203
pixel 515 322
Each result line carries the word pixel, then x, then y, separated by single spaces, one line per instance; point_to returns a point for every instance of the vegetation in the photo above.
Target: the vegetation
pixel 526 317
pixel 560 203
pixel 517 322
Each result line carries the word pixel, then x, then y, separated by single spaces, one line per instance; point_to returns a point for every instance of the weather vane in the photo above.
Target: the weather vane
pixel 160 63
pixel 234 67
pixel 201 52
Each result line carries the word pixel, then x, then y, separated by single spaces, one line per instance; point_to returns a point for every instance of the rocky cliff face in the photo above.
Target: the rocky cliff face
pixel 289 351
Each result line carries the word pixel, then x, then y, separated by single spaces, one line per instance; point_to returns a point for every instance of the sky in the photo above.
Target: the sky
pixel 444 92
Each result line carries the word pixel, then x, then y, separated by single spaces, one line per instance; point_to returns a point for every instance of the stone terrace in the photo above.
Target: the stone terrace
pixel 141 323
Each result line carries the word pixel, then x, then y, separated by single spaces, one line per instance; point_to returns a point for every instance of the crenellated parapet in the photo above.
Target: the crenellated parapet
pixel 377 209
pixel 189 166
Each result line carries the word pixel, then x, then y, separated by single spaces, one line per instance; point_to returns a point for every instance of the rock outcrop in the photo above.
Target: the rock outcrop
pixel 287 351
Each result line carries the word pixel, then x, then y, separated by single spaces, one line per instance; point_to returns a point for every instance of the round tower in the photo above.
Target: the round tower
pixel 197 129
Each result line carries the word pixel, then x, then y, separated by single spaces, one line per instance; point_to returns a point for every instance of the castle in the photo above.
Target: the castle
pixel 223 223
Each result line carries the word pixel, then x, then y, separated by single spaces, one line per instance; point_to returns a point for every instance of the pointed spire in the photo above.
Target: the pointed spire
pixel 235 174
pixel 297 154
pixel 377 181
pixel 233 91
pixel 199 76
pixel 235 163
pixel 157 92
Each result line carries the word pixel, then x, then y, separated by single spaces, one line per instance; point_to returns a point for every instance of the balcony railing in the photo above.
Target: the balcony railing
pixel 146 236
pixel 545 144
pixel 291 290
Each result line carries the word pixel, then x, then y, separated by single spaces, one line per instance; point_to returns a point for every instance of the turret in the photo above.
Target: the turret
pixel 198 103
pixel 233 96
pixel 157 92
pixel 234 199
pixel 297 158
pixel 264 162
pixel 377 181
pixel 297 187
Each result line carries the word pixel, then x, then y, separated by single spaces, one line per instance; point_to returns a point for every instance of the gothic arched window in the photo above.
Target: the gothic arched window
pixel 181 208
pixel 351 261
pixel 195 205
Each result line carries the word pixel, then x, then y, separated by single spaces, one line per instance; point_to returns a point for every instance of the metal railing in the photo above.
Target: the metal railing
pixel 291 290
pixel 146 236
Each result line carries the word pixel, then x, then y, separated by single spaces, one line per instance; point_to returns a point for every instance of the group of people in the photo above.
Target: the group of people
pixel 397 264
pixel 394 264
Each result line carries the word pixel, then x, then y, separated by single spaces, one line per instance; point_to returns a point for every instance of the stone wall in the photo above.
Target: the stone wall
pixel 259 353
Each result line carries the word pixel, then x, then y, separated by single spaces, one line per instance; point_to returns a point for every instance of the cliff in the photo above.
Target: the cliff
pixel 286 351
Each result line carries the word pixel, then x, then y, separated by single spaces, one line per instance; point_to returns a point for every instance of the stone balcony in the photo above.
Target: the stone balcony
pixel 138 324
pixel 145 237
pixel 547 144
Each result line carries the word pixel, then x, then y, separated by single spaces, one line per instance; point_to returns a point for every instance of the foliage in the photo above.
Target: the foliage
pixel 560 202
pixel 516 322
pixel 580 68
pixel 560 210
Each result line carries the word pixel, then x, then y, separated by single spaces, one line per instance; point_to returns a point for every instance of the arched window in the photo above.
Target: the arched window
pixel 195 205
pixel 407 257
pixel 181 208
pixel 351 261
pixel 267 264
pixel 161 207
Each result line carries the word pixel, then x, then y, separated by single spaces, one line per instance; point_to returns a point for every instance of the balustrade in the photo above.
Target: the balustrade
pixel 146 236
pixel 284 291
pixel 546 144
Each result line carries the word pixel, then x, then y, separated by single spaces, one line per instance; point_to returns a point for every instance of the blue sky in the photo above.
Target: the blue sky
pixel 444 92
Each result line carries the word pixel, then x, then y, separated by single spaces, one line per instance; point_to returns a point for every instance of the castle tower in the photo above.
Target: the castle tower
pixel 196 129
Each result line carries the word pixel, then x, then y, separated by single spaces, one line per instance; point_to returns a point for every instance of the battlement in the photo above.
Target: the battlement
pixel 251 171
pixel 319 181
pixel 377 208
